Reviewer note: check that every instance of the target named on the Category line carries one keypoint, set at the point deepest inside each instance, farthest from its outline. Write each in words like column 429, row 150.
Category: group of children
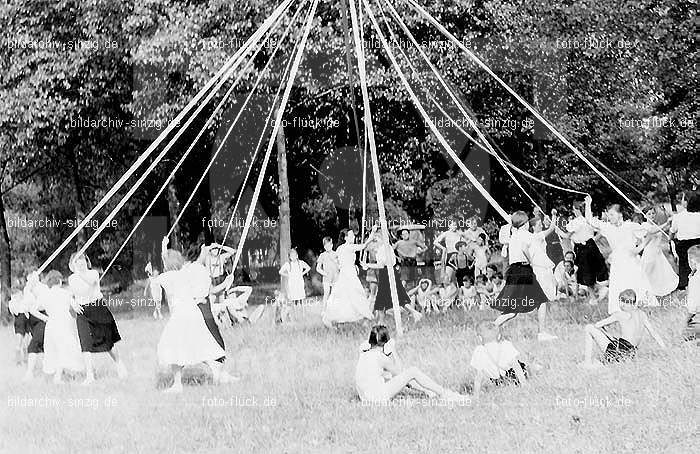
column 531, row 282
column 64, row 323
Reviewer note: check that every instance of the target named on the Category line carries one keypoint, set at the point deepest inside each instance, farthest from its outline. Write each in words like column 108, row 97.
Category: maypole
column 359, row 51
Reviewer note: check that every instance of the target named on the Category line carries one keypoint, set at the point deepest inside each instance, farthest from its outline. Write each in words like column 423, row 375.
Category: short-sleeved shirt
column 494, row 358
column 686, row 225
column 85, row 293
column 520, row 242
column 451, row 239
column 408, row 248
column 581, row 231
column 329, row 262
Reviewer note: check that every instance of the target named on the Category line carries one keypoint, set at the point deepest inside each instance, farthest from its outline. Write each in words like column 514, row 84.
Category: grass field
column 296, row 395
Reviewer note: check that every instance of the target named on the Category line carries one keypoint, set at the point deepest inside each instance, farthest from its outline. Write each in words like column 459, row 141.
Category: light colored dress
column 625, row 264
column 369, row 376
column 186, row 340
column 295, row 280
column 542, row 265
column 61, row 344
column 348, row 301
column 658, row 270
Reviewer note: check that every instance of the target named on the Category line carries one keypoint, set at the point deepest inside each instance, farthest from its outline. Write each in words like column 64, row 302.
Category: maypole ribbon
column 359, row 50
column 160, row 156
column 451, row 94
column 429, row 121
column 532, row 110
column 258, row 146
column 275, row 129
column 175, row 122
column 201, row 132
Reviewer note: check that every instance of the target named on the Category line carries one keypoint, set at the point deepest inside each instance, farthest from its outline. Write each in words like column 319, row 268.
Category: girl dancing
column 522, row 292
column 97, row 329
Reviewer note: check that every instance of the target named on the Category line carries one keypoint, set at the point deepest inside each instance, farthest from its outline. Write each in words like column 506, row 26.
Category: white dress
column 185, row 340
column 625, row 264
column 542, row 265
column 369, row 376
column 61, row 344
column 661, row 276
column 295, row 280
column 348, row 301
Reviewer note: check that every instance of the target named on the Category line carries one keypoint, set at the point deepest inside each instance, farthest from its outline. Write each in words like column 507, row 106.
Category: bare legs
column 177, row 379
column 90, row 370
column 31, row 365
column 542, row 335
column 417, row 379
column 593, row 335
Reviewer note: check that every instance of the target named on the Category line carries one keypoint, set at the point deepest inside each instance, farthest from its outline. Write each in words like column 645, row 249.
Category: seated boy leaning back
column 633, row 322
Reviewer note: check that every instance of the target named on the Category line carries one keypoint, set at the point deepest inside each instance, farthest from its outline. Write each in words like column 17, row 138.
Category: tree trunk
column 79, row 195
column 174, row 210
column 284, row 223
column 5, row 267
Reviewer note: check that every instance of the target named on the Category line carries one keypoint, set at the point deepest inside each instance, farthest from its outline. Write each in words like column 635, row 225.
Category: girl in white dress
column 348, row 301
column 542, row 265
column 659, row 271
column 378, row 358
column 185, row 340
column 295, row 270
column 625, row 264
column 61, row 344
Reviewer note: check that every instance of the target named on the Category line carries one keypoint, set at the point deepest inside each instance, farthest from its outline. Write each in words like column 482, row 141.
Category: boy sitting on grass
column 692, row 325
column 495, row 359
column 632, row 322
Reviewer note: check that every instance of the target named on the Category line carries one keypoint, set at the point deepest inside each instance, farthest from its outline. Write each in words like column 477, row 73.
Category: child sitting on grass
column 424, row 297
column 379, row 357
column 484, row 291
column 632, row 322
column 495, row 359
column 469, row 296
column 692, row 325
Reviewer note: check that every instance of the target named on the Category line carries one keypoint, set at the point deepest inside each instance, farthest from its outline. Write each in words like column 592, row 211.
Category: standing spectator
column 685, row 227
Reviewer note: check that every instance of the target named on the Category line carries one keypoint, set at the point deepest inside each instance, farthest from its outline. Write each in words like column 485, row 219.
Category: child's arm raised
column 652, row 331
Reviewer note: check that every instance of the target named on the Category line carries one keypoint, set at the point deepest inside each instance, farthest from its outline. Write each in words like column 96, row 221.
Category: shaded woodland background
column 630, row 101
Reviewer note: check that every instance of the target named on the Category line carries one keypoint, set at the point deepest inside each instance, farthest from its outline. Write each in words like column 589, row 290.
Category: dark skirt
column 97, row 329
column 521, row 293
column 213, row 328
column 682, row 247
column 462, row 273
column 510, row 377
column 591, row 264
column 22, row 324
column 218, row 280
column 383, row 300
column 36, row 328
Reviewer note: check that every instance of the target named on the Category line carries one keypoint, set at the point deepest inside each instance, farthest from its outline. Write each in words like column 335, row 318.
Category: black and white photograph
column 349, row 226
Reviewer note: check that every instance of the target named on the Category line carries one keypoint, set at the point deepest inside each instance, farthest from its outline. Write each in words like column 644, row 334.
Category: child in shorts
column 633, row 322
column 495, row 359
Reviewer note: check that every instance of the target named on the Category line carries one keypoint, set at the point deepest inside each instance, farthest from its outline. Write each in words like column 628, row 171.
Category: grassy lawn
column 296, row 394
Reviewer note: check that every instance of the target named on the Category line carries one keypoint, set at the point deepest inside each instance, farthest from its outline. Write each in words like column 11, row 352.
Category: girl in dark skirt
column 21, row 325
column 35, row 325
column 383, row 302
column 521, row 292
column 97, row 329
column 591, row 264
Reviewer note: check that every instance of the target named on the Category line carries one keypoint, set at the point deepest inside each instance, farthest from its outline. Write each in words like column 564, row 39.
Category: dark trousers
column 682, row 247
